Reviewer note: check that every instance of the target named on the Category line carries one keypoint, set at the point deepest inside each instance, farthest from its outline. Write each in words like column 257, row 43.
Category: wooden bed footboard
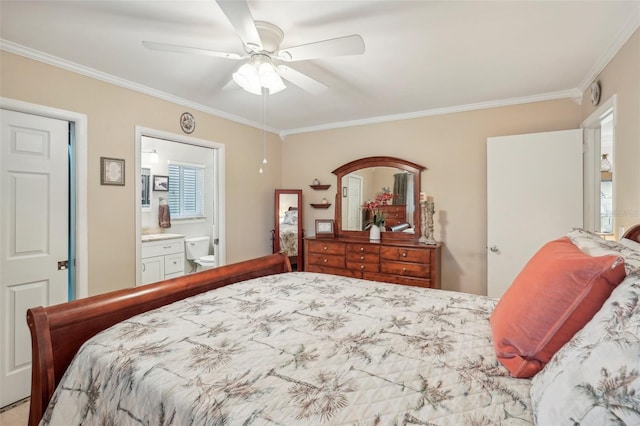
column 58, row 331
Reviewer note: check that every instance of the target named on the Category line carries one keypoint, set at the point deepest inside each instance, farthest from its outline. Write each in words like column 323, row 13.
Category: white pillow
column 594, row 245
column 594, row 379
column 630, row 244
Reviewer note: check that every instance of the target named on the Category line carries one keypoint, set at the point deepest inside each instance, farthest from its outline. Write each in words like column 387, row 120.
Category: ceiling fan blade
column 192, row 50
column 341, row 46
column 301, row 80
column 238, row 13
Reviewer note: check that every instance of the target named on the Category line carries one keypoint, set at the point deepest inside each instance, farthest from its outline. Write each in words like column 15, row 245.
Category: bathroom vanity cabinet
column 162, row 257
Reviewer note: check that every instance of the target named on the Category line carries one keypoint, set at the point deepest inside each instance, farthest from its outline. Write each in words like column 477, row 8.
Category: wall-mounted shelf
column 320, row 187
column 320, row 206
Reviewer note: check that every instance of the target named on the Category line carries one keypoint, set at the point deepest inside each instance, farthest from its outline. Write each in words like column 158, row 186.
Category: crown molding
column 575, row 94
column 632, row 24
column 36, row 55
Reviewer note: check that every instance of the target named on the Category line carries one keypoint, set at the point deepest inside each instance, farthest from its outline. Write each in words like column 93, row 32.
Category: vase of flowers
column 375, row 222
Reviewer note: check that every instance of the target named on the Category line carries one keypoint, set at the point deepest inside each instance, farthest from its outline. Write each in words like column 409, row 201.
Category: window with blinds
column 186, row 190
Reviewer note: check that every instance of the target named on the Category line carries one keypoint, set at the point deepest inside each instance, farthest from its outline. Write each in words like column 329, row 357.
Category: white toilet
column 197, row 251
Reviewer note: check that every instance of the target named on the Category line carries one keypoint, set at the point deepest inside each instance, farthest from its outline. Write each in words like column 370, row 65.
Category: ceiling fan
column 261, row 41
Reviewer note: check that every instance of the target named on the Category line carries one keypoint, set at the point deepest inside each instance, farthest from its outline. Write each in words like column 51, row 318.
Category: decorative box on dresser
column 397, row 262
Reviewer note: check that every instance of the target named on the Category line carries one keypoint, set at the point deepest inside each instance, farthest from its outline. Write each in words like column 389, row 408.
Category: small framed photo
column 324, row 228
column 160, row 183
column 111, row 171
column 344, row 192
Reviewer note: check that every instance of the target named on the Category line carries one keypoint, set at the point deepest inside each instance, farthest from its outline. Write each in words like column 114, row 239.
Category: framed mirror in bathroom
column 145, row 193
column 287, row 234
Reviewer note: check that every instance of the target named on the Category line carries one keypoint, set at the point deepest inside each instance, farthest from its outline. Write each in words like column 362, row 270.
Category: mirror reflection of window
column 145, row 193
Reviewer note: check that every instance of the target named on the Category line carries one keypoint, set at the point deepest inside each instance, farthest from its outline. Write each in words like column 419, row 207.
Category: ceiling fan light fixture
column 269, row 78
column 267, row 74
column 253, row 76
column 247, row 78
column 277, row 86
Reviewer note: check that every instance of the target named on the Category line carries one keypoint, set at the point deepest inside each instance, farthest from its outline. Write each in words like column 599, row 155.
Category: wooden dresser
column 394, row 214
column 406, row 263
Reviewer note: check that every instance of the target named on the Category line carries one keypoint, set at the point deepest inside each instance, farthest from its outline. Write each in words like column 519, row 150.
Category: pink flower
column 382, row 199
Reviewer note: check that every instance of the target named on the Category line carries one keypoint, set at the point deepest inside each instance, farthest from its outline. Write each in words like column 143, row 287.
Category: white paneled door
column 534, row 194
column 354, row 202
column 34, row 233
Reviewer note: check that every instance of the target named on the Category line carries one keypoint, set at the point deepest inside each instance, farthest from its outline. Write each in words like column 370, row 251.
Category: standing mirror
column 287, row 233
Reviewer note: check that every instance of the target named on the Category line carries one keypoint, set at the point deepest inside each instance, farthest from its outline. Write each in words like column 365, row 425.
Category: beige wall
column 113, row 113
column 452, row 147
column 622, row 78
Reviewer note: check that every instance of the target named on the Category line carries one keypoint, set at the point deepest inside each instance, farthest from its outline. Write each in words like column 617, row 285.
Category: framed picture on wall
column 160, row 183
column 111, row 171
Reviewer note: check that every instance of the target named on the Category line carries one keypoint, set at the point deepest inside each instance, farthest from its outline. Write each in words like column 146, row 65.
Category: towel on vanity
column 164, row 217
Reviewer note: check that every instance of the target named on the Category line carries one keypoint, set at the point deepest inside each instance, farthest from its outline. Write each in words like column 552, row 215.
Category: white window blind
column 186, row 190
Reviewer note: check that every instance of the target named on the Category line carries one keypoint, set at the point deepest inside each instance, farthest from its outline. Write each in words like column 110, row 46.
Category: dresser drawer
column 325, row 260
column 326, row 247
column 334, row 271
column 363, row 266
column 363, row 257
column 394, row 209
column 405, row 269
column 394, row 215
column 405, row 254
column 363, row 249
column 395, row 279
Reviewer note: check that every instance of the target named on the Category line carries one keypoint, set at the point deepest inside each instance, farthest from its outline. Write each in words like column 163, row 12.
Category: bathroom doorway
column 187, row 174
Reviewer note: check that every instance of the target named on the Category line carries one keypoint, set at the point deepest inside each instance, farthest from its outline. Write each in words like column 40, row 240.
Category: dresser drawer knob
column 404, row 270
column 325, row 248
column 361, row 266
column 361, row 248
column 404, row 254
column 361, row 257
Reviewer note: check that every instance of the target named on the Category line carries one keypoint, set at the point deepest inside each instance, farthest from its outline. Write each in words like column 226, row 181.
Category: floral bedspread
column 289, row 239
column 297, row 349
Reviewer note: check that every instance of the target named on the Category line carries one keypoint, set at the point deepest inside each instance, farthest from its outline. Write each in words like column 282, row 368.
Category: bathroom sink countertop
column 160, row 237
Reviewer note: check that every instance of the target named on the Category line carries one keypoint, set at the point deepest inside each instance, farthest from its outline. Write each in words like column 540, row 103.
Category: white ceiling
column 422, row 57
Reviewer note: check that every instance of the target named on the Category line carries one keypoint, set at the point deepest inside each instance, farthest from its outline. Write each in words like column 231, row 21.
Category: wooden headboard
column 633, row 233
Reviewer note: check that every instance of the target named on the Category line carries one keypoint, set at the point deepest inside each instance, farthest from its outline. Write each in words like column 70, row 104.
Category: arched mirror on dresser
column 363, row 180
column 287, row 233
column 397, row 257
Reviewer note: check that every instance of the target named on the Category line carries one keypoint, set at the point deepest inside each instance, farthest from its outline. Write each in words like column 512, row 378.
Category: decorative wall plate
column 595, row 93
column 187, row 122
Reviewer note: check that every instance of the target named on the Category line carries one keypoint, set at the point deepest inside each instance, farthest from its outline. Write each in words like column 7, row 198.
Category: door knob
column 494, row 249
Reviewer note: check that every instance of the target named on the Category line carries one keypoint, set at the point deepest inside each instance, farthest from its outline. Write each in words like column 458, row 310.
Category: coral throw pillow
column 555, row 295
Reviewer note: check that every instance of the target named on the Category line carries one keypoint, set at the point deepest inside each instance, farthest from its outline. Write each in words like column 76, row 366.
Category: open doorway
column 599, row 170
column 186, row 175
